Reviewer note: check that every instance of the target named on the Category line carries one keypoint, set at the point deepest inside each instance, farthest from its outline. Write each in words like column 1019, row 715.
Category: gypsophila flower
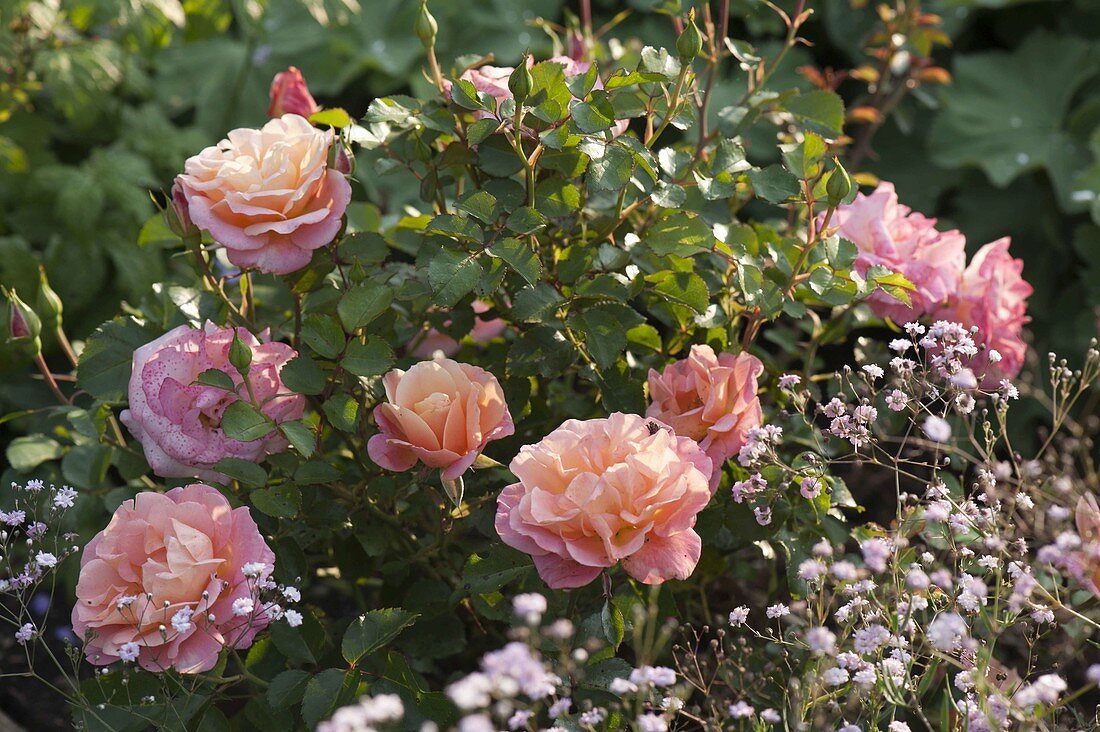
column 876, row 553
column 243, row 606
column 763, row 515
column 651, row 723
column 560, row 708
column 836, row 676
column 810, row 487
column 900, row 345
column 622, row 686
column 292, row 594
column 898, row 727
column 253, row 569
column 45, row 560
column 64, row 498
column 1093, row 674
column 125, row 601
column 771, row 716
column 1041, row 614
column 936, row 428
column 529, row 606
column 777, row 610
column 520, row 719
column 181, row 620
column 657, row 676
column 592, row 717
column 13, row 518
column 293, row 618
column 476, row 723
column 128, row 652
column 35, row 484
column 874, row 371
column 25, row 633
column 821, row 640
column 741, row 710
column 738, row 616
column 786, row 381
column 947, row 631
column 896, row 400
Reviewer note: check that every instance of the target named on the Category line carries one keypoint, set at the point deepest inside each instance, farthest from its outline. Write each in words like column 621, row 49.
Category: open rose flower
column 143, row 580
column 178, row 421
column 598, row 492
column 268, row 195
column 709, row 398
column 993, row 296
column 891, row 235
column 493, row 80
column 441, row 413
column 290, row 95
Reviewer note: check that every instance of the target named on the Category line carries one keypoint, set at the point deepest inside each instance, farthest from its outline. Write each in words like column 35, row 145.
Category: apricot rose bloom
column 268, row 195
column 709, row 398
column 143, row 579
column 178, row 421
column 441, row 413
column 597, row 492
column 290, row 95
column 993, row 297
column 893, row 236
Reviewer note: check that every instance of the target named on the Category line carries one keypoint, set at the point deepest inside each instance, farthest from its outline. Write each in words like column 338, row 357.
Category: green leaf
column 679, row 233
column 525, row 220
column 246, row 472
column 301, row 436
column 536, row 304
column 549, row 98
column 342, row 411
column 281, row 501
column 242, row 421
column 334, row 117
column 362, row 304
column 556, row 198
column 541, row 350
column 773, row 183
column 373, row 358
column 604, row 327
column 611, row 171
column 614, row 625
column 803, row 158
column 322, row 694
column 105, row 362
column 686, row 288
column 85, row 466
column 481, row 129
column 464, row 94
column 302, row 375
column 594, row 116
column 323, row 334
column 1006, row 112
column 480, row 204
column 520, row 257
column 819, row 111
column 489, row 573
column 287, row 688
column 216, row 378
column 373, row 631
column 452, row 275
column 24, row 454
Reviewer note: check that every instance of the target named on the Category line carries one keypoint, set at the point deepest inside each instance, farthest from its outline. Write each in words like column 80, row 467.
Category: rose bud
column 290, row 95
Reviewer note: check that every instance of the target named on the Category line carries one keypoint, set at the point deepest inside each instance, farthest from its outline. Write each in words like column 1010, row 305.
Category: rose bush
column 507, row 392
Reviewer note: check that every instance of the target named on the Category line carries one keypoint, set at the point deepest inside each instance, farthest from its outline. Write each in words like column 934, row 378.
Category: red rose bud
column 177, row 215
column 23, row 325
column 290, row 95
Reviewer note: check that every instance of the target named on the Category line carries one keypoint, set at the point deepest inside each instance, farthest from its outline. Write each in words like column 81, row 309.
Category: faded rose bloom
column 709, row 398
column 174, row 547
column 1084, row 564
column 178, row 421
column 601, row 491
column 290, row 95
column 441, row 413
column 890, row 234
column 993, row 296
column 268, row 194
column 493, row 80
column 483, row 332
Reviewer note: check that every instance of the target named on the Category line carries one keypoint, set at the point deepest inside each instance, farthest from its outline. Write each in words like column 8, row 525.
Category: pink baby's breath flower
column 810, row 487
column 738, row 616
column 777, row 610
column 787, row 381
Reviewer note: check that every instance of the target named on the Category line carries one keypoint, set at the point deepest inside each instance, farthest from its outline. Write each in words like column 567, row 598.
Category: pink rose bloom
column 1084, row 564
column 893, row 236
column 268, row 194
column 993, row 296
column 178, row 421
column 711, row 399
column 290, row 95
column 173, row 546
column 601, row 491
column 493, row 80
column 441, row 413
column 483, row 332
